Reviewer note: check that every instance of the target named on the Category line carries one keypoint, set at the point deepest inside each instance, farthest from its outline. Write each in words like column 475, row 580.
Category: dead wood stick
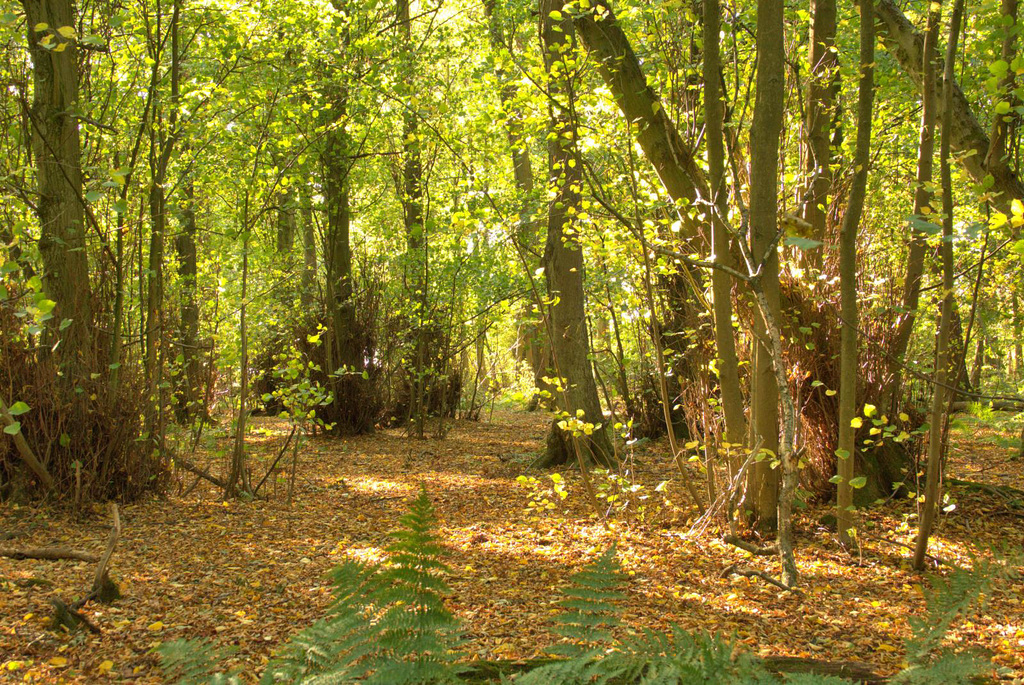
column 274, row 465
column 115, row 534
column 757, row 550
column 205, row 475
column 735, row 570
column 49, row 554
column 24, row 450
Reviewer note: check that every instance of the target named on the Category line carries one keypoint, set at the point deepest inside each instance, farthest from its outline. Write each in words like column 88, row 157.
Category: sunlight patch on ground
column 369, row 485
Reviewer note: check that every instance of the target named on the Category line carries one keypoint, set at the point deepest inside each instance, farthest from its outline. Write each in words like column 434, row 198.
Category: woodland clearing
column 250, row 574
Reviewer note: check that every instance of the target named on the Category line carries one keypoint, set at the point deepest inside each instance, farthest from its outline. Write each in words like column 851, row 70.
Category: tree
column 848, row 357
column 563, row 254
column 763, row 495
column 61, row 207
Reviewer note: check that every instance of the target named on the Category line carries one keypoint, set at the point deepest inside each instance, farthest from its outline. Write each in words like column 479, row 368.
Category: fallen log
column 998, row 405
column 49, row 554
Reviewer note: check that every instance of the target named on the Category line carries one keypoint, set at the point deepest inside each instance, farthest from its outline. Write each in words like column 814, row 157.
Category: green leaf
column 858, row 482
column 94, row 196
column 802, row 243
column 18, row 408
column 13, row 429
column 65, row 439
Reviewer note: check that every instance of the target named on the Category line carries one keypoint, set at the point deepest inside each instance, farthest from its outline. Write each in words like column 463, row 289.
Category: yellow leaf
column 857, row 422
column 105, row 666
column 1017, row 207
column 58, row 661
column 904, row 416
column 886, row 648
column 41, row 26
column 14, row 665
column 159, row 625
column 67, row 31
column 830, row 393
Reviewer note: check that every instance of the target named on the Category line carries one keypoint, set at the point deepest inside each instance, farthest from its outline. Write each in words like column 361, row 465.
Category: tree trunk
column 415, row 228
column 765, row 134
column 306, row 297
column 846, row 451
column 940, row 397
column 657, row 134
column 61, row 204
column 923, row 213
column 188, row 332
column 563, row 255
column 721, row 282
column 238, row 474
column 823, row 68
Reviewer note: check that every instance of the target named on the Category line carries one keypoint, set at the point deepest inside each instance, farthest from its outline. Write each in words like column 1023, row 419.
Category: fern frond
column 195, row 662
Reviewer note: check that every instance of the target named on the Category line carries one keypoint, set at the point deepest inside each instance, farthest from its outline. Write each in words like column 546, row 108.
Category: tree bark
column 940, row 396
column 188, row 332
column 923, row 211
column 765, row 134
column 721, row 282
column 823, row 68
column 61, row 205
column 306, row 297
column 563, row 255
column 415, row 228
column 846, row 451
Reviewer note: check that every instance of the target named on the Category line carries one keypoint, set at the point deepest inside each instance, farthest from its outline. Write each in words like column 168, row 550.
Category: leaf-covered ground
column 250, row 574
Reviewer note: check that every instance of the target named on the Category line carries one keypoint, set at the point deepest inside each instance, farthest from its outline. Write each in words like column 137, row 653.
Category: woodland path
column 251, row 574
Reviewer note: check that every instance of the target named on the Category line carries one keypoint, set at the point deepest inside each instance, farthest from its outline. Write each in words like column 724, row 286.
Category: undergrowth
column 388, row 625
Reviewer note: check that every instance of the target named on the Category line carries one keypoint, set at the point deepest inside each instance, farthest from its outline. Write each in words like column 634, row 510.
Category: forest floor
column 250, row 574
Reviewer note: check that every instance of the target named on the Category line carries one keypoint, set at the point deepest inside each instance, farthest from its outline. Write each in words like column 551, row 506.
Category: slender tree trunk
column 238, row 475
column 933, row 481
column 765, row 134
column 923, row 212
column 721, row 282
column 979, row 362
column 819, row 115
column 563, row 255
column 188, row 332
column 415, row 228
column 848, row 277
column 522, row 170
column 61, row 205
column 308, row 255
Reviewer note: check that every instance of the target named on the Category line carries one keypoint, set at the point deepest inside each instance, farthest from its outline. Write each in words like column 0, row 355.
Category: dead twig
column 736, row 570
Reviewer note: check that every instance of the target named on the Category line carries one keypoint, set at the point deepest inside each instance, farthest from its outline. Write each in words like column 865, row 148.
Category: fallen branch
column 193, row 469
column 49, row 554
column 1013, row 497
column 757, row 550
column 735, row 570
column 274, row 465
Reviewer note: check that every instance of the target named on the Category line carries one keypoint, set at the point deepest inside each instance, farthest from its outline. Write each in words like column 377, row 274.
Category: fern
column 418, row 634
column 948, row 599
column 195, row 662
